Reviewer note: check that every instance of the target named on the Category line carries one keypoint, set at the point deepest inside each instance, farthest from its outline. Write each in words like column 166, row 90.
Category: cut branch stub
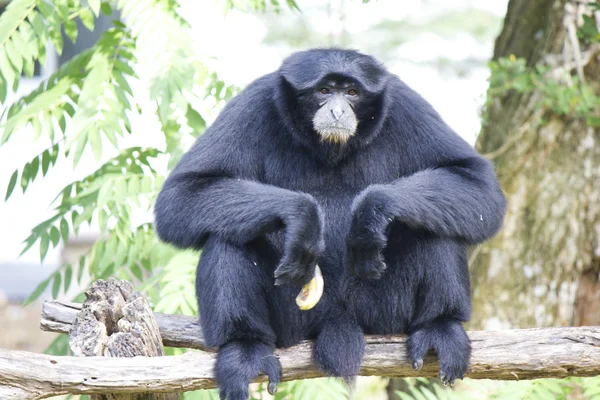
column 116, row 321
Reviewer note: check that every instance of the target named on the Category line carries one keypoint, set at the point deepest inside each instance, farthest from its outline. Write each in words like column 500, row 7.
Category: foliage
column 86, row 105
column 540, row 389
column 312, row 389
column 589, row 30
column 260, row 5
column 560, row 91
column 565, row 95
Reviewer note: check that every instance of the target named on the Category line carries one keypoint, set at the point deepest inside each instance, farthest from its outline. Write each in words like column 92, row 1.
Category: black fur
column 267, row 200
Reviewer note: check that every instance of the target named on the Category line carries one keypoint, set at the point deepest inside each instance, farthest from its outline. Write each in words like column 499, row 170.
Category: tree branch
column 507, row 355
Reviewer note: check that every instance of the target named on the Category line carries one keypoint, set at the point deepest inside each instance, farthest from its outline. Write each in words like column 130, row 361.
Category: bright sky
column 235, row 40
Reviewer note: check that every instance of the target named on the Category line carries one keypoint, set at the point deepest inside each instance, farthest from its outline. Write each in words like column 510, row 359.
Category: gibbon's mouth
column 335, row 134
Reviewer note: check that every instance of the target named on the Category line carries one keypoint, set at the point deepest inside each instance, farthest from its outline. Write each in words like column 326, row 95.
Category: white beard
column 335, row 135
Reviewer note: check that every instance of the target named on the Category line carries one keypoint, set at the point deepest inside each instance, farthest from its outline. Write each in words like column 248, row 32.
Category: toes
column 238, row 364
column 272, row 388
column 271, row 367
column 449, row 377
column 418, row 364
column 443, row 378
column 453, row 366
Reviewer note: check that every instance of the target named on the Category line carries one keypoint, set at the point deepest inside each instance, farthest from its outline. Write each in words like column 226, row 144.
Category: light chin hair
column 334, row 135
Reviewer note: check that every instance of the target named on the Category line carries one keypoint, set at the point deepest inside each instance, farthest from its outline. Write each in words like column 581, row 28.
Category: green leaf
column 54, row 154
column 64, row 229
column 38, row 23
column 95, row 142
column 62, row 10
column 428, row 394
column 41, row 287
column 81, row 142
column 7, row 69
column 122, row 82
column 15, row 13
column 124, row 67
column 11, row 184
column 44, row 243
column 106, row 9
column 14, row 55
column 68, row 277
column 68, row 107
column 87, row 18
column 54, row 236
column 42, row 53
column 137, row 272
column 102, row 220
column 91, row 93
column 60, row 117
column 21, row 41
column 37, row 105
column 37, row 128
column 34, row 166
column 56, row 285
column 195, row 120
column 74, row 219
column 110, row 135
column 57, row 40
column 70, row 28
column 3, row 88
column 28, row 67
column 30, row 241
column 25, row 177
column 95, row 6
column 49, row 124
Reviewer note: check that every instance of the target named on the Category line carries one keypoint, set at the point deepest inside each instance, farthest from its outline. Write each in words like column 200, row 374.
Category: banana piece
column 311, row 293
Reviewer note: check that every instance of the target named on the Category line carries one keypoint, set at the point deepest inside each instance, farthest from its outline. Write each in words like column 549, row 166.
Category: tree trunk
column 542, row 269
column 116, row 321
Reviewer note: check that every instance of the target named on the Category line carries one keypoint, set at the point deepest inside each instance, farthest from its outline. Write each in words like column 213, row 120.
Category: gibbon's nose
column 337, row 112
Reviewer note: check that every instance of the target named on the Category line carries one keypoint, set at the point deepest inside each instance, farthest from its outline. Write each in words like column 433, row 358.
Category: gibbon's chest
column 303, row 173
column 333, row 187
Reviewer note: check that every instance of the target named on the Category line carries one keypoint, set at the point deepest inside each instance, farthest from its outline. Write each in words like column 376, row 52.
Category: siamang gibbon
column 330, row 161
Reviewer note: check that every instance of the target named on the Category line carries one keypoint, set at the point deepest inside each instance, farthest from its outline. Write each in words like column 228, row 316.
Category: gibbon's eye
column 352, row 92
column 324, row 91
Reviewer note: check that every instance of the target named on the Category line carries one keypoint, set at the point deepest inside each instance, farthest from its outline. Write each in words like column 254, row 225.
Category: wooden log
column 507, row 355
column 175, row 330
column 116, row 321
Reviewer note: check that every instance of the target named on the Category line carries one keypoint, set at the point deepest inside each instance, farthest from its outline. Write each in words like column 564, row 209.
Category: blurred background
column 95, row 112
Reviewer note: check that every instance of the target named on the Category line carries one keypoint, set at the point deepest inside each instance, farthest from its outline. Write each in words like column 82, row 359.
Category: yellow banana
column 311, row 293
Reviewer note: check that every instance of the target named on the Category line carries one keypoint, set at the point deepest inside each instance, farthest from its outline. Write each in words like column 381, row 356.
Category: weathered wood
column 507, row 355
column 116, row 321
column 176, row 330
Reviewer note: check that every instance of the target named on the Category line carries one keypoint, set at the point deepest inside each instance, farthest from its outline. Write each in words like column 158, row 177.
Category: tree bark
column 542, row 268
column 116, row 321
column 506, row 355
